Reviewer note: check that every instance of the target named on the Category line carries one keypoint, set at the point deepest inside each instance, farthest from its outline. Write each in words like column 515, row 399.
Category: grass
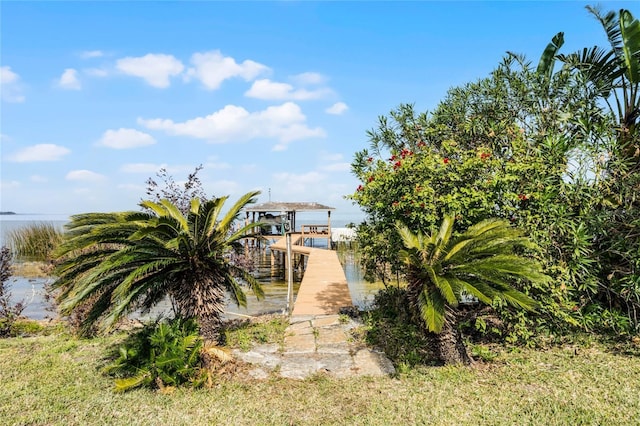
column 244, row 334
column 55, row 379
column 35, row 241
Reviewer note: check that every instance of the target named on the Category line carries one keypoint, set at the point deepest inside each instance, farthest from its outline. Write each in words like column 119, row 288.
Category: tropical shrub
column 161, row 355
column 124, row 261
column 483, row 262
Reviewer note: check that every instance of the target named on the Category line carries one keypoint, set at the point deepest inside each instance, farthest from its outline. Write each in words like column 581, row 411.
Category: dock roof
column 288, row 207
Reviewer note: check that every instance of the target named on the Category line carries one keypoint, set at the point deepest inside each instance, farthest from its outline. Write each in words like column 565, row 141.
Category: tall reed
column 35, row 241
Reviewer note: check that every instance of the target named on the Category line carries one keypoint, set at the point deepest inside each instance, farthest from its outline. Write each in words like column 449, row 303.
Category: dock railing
column 309, row 231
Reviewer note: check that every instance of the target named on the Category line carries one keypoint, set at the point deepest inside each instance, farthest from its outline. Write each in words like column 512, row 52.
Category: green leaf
column 547, row 60
column 630, row 32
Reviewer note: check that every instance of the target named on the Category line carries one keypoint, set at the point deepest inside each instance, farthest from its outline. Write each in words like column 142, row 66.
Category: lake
column 32, row 290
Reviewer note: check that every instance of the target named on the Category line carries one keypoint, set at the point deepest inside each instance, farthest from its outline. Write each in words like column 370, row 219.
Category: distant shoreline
column 7, row 213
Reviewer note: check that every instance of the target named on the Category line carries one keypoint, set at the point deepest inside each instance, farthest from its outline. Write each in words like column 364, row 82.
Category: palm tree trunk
column 210, row 326
column 450, row 346
column 203, row 300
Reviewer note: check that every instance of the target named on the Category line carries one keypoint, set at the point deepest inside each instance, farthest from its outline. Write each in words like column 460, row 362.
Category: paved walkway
column 316, row 344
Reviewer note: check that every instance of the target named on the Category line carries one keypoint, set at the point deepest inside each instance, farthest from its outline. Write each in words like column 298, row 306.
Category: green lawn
column 55, row 379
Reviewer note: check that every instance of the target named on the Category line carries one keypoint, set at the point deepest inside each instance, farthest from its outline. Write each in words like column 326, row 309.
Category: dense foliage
column 538, row 147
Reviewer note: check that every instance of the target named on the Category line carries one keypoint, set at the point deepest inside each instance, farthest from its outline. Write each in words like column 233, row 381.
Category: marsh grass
column 34, row 242
column 55, row 380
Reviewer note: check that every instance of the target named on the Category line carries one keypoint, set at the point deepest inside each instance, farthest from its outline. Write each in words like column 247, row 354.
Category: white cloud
column 336, row 167
column 7, row 76
column 69, row 80
column 141, row 168
column 96, row 72
column 285, row 123
column 40, row 152
column 87, row 54
column 270, row 90
column 85, row 176
column 337, row 109
column 126, row 139
column 10, row 86
column 155, row 69
column 9, row 184
column 299, row 184
column 38, row 179
column 212, row 68
column 309, row 78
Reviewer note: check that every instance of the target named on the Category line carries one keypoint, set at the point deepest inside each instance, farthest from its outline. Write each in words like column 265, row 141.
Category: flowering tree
column 503, row 147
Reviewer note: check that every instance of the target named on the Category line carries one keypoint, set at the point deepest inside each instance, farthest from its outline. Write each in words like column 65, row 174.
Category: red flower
column 484, row 155
column 523, row 197
column 421, row 144
column 393, row 158
column 405, row 152
column 445, row 160
column 360, row 188
column 370, row 179
column 397, row 164
column 395, row 204
column 370, row 159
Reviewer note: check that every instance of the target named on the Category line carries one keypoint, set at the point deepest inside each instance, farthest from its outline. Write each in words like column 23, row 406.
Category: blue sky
column 97, row 96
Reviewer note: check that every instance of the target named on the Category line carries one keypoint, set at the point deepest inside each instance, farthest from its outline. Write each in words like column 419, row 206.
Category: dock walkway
column 324, row 289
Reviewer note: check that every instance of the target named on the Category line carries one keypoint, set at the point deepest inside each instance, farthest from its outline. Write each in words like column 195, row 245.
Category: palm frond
column 234, row 211
column 481, row 261
column 432, row 309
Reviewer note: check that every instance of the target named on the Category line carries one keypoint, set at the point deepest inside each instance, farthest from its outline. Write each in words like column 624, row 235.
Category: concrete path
column 317, row 344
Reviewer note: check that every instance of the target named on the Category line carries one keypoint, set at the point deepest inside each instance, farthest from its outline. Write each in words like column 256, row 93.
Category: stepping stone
column 329, row 336
column 370, row 363
column 300, row 343
column 325, row 321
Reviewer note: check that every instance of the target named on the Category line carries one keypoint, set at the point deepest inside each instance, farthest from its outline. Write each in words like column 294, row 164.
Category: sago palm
column 481, row 262
column 124, row 261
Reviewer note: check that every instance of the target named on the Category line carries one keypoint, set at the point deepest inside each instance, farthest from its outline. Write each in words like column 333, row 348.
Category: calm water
column 31, row 291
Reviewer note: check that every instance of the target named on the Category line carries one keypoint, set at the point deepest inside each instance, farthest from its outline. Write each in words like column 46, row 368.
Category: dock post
column 289, row 269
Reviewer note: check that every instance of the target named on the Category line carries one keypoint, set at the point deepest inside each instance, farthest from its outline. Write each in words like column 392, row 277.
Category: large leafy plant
column 482, row 262
column 162, row 355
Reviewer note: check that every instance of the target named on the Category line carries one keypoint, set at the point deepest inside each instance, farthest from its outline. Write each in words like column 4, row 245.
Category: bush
column 9, row 312
column 161, row 356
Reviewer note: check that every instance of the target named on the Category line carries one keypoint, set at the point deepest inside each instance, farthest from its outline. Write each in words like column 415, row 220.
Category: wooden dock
column 324, row 289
